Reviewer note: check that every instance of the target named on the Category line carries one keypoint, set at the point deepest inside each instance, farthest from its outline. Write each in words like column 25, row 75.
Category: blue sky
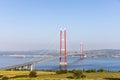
column 35, row 24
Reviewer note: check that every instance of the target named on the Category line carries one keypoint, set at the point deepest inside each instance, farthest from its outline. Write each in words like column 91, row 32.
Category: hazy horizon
column 35, row 24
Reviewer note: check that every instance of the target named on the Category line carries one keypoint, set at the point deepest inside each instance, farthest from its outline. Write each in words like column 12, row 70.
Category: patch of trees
column 77, row 74
column 33, row 74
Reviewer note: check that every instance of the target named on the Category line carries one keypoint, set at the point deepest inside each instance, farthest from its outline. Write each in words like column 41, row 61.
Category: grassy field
column 43, row 75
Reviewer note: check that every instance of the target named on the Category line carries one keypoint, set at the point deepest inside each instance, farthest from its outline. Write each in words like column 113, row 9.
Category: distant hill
column 89, row 53
column 103, row 53
column 32, row 52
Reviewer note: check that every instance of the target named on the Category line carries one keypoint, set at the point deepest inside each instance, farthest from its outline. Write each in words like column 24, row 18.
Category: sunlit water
column 111, row 64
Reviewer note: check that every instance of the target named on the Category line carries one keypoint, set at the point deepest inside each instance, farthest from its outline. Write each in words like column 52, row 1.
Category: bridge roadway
column 27, row 65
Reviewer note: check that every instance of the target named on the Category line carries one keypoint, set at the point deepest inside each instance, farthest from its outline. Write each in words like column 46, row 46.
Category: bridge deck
column 27, row 63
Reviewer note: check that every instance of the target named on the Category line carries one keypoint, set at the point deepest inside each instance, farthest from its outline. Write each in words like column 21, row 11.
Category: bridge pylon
column 82, row 54
column 63, row 58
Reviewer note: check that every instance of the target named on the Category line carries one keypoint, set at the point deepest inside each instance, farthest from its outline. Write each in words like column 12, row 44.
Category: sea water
column 110, row 64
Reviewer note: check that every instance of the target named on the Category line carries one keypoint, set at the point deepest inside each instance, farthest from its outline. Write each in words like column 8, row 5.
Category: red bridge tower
column 63, row 58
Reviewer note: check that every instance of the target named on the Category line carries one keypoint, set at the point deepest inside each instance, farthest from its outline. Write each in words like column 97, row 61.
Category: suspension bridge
column 62, row 57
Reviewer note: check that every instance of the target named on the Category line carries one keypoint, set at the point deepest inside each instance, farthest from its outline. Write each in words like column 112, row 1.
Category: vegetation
column 33, row 74
column 90, row 70
column 61, row 71
column 78, row 74
column 46, row 75
column 5, row 78
column 101, row 70
column 1, row 75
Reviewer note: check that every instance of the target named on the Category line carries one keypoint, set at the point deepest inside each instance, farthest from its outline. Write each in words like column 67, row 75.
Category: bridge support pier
column 26, row 67
column 31, row 67
column 20, row 68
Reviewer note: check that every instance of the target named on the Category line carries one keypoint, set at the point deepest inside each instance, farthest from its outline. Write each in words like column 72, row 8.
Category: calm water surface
column 112, row 64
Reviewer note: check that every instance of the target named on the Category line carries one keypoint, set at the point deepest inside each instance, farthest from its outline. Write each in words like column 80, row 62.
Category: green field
column 45, row 75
